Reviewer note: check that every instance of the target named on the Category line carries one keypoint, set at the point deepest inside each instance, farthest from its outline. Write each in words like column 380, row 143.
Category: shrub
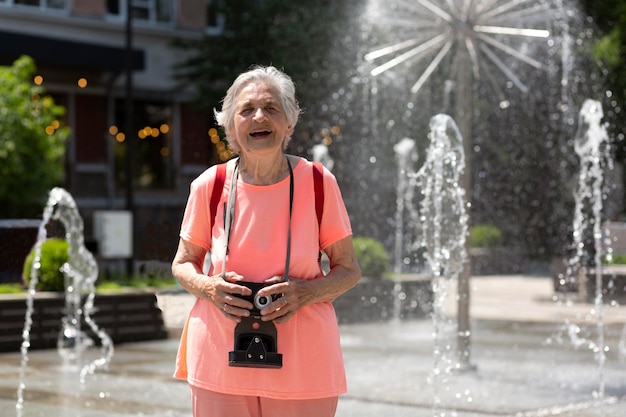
column 139, row 282
column 11, row 289
column 616, row 259
column 53, row 256
column 485, row 236
column 372, row 256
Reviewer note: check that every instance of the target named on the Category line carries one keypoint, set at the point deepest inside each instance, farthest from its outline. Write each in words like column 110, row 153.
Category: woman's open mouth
column 260, row 133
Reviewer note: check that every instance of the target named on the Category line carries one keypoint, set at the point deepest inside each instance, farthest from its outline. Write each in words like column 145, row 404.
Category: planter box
column 613, row 282
column 613, row 285
column 383, row 299
column 126, row 317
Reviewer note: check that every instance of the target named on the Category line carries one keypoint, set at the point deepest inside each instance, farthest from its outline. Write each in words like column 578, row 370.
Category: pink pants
column 213, row 404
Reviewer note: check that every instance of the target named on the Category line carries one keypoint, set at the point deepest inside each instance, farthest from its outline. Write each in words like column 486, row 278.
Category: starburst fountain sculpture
column 469, row 26
column 472, row 40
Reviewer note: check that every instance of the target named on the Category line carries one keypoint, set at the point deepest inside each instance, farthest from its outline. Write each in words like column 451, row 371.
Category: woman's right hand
column 224, row 292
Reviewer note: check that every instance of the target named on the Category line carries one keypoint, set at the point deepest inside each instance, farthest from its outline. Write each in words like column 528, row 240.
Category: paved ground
column 532, row 356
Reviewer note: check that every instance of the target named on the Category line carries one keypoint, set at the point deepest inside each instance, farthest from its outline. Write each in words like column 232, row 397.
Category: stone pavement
column 531, row 356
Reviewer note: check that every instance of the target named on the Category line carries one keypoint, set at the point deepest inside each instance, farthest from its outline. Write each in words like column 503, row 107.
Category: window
column 214, row 16
column 153, row 142
column 113, row 7
column 44, row 4
column 154, row 11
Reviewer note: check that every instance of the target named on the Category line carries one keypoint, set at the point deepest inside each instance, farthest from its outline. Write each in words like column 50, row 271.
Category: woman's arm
column 187, row 268
column 344, row 274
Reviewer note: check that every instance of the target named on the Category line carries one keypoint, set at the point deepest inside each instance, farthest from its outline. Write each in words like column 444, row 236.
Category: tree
column 309, row 39
column 32, row 141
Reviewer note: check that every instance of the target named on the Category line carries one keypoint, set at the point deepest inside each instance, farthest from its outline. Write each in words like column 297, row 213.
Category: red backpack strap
column 216, row 194
column 318, row 188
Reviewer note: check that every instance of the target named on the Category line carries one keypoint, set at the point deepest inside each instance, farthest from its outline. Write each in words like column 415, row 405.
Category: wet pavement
column 531, row 356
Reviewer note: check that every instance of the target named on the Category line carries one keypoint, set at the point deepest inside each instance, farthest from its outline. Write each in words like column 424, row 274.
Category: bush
column 138, row 282
column 485, row 236
column 11, row 289
column 372, row 256
column 616, row 259
column 53, row 256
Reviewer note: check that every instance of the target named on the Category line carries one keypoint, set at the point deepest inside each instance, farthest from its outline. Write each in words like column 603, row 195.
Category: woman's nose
column 259, row 114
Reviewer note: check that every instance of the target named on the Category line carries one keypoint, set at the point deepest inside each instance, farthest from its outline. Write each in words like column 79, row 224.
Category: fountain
column 591, row 144
column 444, row 228
column 466, row 47
column 443, row 216
column 321, row 154
column 459, row 45
column 406, row 157
column 80, row 272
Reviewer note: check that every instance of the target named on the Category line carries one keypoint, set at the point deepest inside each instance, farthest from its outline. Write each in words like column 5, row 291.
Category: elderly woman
column 268, row 230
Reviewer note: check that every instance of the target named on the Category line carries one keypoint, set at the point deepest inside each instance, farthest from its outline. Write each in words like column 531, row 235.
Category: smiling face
column 260, row 123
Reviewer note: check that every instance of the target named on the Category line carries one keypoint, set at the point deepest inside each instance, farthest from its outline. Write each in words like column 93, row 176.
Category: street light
column 130, row 142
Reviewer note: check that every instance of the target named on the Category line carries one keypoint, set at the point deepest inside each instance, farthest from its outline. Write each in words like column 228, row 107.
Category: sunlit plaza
column 525, row 362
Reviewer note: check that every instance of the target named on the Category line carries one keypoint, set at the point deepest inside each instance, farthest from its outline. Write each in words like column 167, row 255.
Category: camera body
column 256, row 341
column 259, row 302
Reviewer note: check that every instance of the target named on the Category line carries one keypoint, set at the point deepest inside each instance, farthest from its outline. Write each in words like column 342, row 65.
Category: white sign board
column 114, row 232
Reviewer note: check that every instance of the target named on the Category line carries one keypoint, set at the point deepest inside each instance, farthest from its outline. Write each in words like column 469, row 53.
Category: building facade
column 82, row 50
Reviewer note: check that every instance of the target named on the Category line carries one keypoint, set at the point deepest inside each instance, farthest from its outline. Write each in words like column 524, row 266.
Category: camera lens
column 261, row 302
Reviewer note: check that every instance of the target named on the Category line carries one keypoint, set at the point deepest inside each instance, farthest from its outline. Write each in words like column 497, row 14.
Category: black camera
column 256, row 341
column 259, row 302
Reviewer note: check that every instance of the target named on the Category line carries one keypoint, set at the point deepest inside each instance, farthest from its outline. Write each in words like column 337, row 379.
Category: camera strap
column 230, row 214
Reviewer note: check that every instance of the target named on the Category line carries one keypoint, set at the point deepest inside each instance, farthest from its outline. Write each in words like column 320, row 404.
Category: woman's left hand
column 296, row 293
column 290, row 301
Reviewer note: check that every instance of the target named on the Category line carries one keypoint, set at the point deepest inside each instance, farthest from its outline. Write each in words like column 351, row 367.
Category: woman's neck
column 263, row 171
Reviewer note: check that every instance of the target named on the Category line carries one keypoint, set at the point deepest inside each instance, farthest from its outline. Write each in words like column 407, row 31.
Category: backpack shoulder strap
column 216, row 194
column 318, row 188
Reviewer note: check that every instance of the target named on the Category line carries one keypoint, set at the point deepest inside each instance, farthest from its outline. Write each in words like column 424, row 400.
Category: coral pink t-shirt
column 309, row 342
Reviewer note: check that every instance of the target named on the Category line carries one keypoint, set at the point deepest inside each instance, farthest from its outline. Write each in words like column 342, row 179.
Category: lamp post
column 463, row 118
column 129, row 128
